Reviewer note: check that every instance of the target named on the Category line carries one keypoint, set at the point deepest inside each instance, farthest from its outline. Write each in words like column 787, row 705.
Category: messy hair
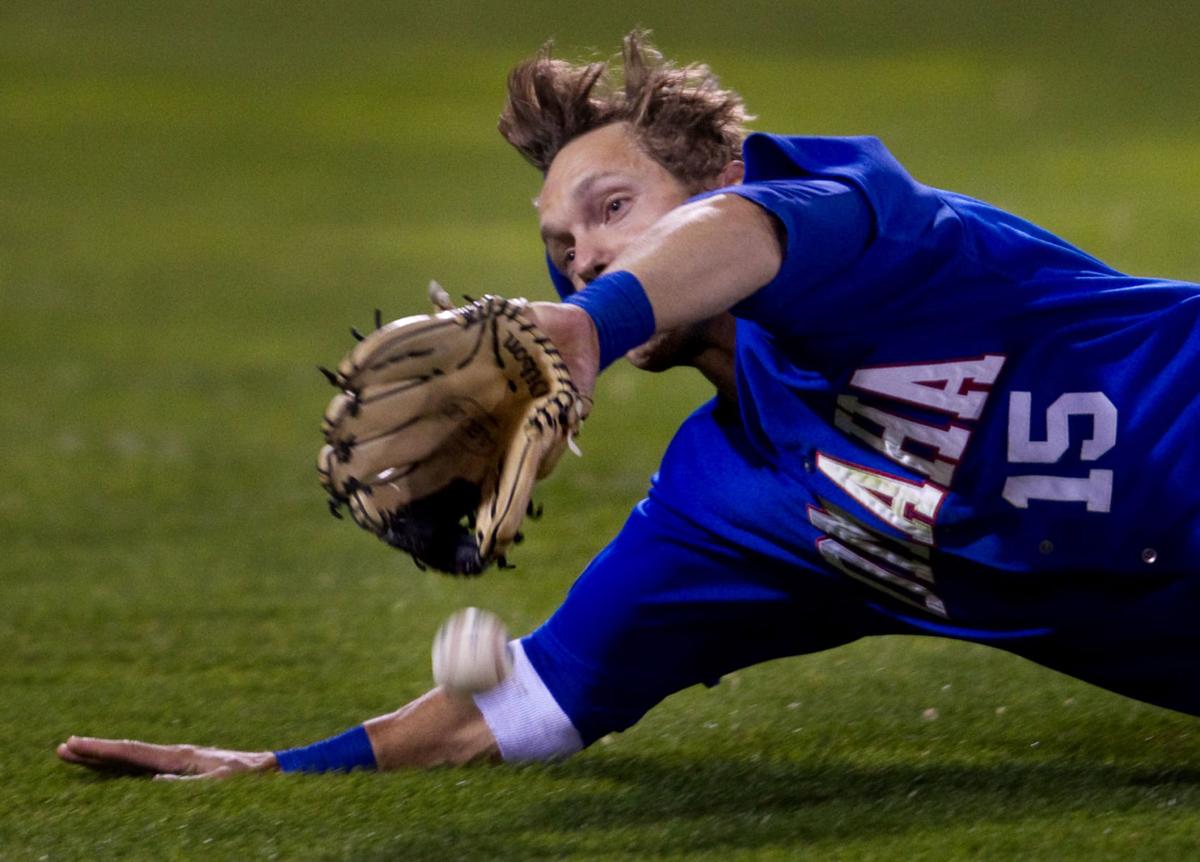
column 681, row 117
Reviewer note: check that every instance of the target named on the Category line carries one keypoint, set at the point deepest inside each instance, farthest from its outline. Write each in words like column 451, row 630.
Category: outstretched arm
column 434, row 730
column 695, row 263
column 703, row 258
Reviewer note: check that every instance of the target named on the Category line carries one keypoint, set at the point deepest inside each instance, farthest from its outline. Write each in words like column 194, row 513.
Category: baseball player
column 932, row 417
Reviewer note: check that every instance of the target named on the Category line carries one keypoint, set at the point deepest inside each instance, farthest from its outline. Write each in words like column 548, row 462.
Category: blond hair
column 681, row 117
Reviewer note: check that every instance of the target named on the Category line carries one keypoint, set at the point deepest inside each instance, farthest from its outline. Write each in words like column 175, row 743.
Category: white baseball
column 470, row 652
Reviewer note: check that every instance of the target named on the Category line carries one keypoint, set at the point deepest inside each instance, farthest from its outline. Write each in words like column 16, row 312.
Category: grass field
column 196, row 200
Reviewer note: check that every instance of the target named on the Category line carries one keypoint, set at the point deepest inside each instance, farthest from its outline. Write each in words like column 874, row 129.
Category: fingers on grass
column 66, row 754
column 108, row 767
column 128, row 755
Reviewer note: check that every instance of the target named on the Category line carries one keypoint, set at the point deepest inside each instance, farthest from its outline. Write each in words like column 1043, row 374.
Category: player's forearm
column 436, row 729
column 691, row 266
column 703, row 258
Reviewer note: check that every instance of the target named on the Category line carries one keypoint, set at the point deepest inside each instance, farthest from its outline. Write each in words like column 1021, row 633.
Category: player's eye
column 568, row 258
column 615, row 207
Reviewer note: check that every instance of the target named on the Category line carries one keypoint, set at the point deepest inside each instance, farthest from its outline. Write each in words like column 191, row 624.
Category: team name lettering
column 908, row 506
column 913, row 439
column 908, row 557
column 864, row 569
column 944, row 445
column 959, row 387
column 900, row 569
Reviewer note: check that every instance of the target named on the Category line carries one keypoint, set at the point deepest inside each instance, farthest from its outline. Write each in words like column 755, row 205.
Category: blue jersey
column 960, row 409
column 949, row 422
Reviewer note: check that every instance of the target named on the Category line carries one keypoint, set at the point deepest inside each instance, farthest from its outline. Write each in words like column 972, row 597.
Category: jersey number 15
column 1095, row 489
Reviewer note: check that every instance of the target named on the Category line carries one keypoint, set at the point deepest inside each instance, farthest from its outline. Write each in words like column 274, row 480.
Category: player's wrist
column 573, row 334
column 618, row 306
column 341, row 753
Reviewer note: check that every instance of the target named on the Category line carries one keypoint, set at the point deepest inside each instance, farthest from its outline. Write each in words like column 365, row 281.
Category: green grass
column 197, row 199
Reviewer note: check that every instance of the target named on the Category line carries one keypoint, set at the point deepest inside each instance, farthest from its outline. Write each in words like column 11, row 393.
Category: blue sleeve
column 562, row 284
column 826, row 227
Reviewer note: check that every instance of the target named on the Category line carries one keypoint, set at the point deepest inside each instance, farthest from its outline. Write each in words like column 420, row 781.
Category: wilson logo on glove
column 530, row 373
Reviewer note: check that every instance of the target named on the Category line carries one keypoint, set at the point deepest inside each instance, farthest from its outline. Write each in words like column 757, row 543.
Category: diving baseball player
column 932, row 417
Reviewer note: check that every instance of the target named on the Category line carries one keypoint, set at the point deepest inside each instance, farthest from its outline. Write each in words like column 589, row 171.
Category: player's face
column 602, row 193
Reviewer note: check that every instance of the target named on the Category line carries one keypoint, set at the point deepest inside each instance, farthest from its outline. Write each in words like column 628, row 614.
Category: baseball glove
column 443, row 424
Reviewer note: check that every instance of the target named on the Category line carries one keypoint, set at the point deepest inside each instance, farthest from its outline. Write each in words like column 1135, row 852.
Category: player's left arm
column 696, row 262
column 756, row 249
column 704, row 257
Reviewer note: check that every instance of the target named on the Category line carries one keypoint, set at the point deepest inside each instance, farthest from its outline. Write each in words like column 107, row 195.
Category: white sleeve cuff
column 524, row 717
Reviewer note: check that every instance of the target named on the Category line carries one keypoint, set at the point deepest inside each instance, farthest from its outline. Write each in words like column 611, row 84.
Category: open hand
column 162, row 762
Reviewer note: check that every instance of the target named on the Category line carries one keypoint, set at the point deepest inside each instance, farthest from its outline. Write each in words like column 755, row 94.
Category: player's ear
column 731, row 174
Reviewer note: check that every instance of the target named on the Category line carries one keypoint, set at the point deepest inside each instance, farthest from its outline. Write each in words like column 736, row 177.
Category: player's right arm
column 437, row 729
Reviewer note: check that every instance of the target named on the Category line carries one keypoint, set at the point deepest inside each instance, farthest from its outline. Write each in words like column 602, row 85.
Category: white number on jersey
column 1095, row 490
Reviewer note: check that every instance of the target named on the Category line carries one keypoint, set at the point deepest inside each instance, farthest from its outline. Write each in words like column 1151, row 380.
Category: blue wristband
column 341, row 753
column 624, row 318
